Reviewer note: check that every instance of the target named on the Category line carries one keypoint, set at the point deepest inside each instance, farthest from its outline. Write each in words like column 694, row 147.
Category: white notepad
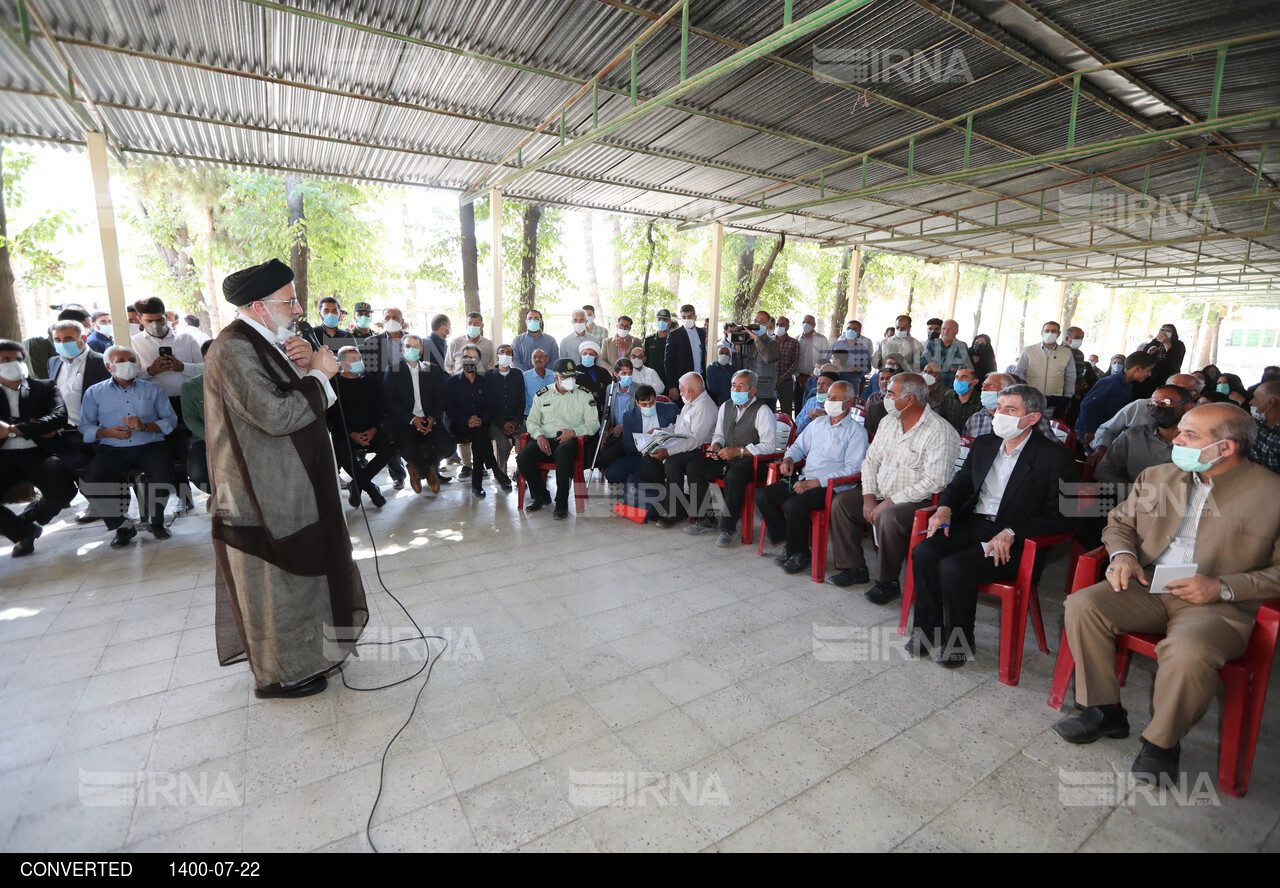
column 1167, row 573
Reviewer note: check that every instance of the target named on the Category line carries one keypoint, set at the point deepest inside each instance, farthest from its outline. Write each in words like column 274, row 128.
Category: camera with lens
column 739, row 335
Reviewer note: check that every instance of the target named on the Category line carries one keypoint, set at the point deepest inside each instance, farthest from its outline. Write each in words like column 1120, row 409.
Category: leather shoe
column 504, row 481
column 1092, row 724
column 478, row 491
column 883, row 592
column 783, row 557
column 850, row 576
column 918, row 646
column 433, row 479
column 561, row 512
column 397, row 484
column 376, row 497
column 415, row 481
column 306, row 689
column 952, row 660
column 464, row 473
column 27, row 544
column 538, row 502
column 159, row 531
column 798, row 563
column 1157, row 765
column 124, row 535
column 669, row 522
column 353, row 495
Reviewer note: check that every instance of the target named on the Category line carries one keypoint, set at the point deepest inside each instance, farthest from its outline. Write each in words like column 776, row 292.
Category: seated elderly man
column 641, row 373
column 1140, row 447
column 831, row 447
column 963, row 399
column 128, row 418
column 469, row 409
column 30, row 411
column 1136, row 413
column 1212, row 509
column 912, row 458
column 560, row 414
column 643, row 417
column 980, row 423
column 1007, row 490
column 1264, row 405
column 663, row 471
column 814, row 407
column 355, row 423
column 746, row 428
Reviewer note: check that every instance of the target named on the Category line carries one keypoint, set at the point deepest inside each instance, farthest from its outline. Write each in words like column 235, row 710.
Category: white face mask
column 1258, row 414
column 568, row 384
column 808, row 328
column 125, row 370
column 638, row 363
column 11, row 371
column 504, row 360
column 579, row 328
column 781, row 331
column 392, row 326
column 688, row 322
column 929, row 380
column 891, row 406
column 1006, row 426
column 1049, row 338
column 833, row 408
column 902, row 334
column 722, row 359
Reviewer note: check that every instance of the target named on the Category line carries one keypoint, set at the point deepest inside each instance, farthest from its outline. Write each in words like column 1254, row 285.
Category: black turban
column 257, row 282
column 827, row 374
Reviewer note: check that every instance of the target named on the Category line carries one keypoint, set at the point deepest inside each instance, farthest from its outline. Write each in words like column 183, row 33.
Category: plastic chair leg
column 1062, row 671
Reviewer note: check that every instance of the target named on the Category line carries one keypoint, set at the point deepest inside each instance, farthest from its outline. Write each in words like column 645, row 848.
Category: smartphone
column 166, row 351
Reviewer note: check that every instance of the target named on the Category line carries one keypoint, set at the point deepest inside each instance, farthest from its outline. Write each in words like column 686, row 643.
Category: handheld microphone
column 307, row 332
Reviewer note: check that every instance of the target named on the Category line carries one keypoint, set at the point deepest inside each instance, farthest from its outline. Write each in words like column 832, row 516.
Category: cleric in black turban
column 256, row 282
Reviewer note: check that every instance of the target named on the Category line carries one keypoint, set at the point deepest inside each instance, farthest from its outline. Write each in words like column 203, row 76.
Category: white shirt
column 71, row 383
column 646, row 375
column 417, row 389
column 648, row 423
column 766, row 428
column 17, row 442
column 695, row 346
column 329, row 396
column 185, row 348
column 696, row 420
column 201, row 337
column 997, row 479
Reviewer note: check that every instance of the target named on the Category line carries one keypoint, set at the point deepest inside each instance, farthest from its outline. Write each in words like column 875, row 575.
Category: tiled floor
column 592, row 660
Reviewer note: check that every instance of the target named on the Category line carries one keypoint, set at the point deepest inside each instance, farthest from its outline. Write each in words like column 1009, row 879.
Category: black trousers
column 46, row 473
column 109, row 495
column 736, row 474
column 669, row 473
column 198, row 465
column 786, row 514
column 948, row 572
column 562, row 454
column 362, row 473
column 423, row 452
column 482, row 457
column 395, row 465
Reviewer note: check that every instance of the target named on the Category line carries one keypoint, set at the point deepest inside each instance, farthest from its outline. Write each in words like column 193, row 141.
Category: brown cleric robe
column 289, row 594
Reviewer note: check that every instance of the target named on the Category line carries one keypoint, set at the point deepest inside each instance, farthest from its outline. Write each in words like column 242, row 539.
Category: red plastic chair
column 546, row 468
column 1065, row 434
column 819, row 521
column 663, row 399
column 1086, row 491
column 1245, row 679
column 1016, row 598
column 749, row 504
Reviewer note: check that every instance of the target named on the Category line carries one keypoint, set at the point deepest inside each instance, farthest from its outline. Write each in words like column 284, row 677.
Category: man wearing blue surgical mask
column 963, row 399
column 414, row 392
column 330, row 329
column 620, row 457
column 980, row 423
column 360, row 404
column 1214, row 511
column 533, row 338
column 853, row 351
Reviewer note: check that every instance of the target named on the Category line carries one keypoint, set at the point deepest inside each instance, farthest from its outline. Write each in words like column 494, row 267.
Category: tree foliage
column 32, row 244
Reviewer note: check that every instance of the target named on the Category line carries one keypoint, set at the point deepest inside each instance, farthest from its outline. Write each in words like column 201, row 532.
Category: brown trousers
column 893, row 531
column 1199, row 640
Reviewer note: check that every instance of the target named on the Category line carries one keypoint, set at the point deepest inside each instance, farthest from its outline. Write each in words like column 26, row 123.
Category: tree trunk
column 470, row 258
column 9, row 326
column 842, row 290
column 648, row 269
column 1070, row 304
column 1209, row 350
column 589, row 248
column 299, row 253
column 617, row 258
column 677, row 262
column 763, row 277
column 215, row 316
column 1022, row 322
column 746, row 265
column 911, row 295
column 529, row 258
column 977, row 314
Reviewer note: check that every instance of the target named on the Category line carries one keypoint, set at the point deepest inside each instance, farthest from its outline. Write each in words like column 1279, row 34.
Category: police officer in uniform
column 560, row 413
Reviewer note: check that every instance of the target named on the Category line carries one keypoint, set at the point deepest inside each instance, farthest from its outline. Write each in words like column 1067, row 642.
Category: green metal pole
column 684, row 42
column 1217, row 81
column 1257, row 179
column 968, row 139
column 786, row 12
column 634, row 86
column 911, row 159
column 1146, row 180
column 1195, row 195
column 1075, row 107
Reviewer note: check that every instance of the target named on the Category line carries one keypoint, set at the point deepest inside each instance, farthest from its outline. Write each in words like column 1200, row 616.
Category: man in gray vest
column 746, row 428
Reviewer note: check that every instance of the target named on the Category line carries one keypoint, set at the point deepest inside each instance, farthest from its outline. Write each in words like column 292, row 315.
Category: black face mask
column 935, row 334
column 1165, row 417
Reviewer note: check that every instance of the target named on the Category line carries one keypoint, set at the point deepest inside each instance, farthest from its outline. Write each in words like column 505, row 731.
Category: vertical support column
column 97, row 144
column 717, row 251
column 1062, row 300
column 855, row 279
column 995, row 337
column 1106, row 331
column 955, row 290
column 495, row 253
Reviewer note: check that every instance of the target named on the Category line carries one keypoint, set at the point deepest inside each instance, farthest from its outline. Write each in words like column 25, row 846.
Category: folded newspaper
column 647, row 443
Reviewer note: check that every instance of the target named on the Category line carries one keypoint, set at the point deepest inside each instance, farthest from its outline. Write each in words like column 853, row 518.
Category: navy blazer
column 678, row 357
column 1031, row 502
column 95, row 369
column 633, row 423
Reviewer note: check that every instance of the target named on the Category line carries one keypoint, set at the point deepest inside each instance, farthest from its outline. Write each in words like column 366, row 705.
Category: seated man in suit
column 1007, row 490
column 663, row 470
column 746, row 428
column 643, row 417
column 831, row 447
column 74, row 370
column 414, row 393
column 469, row 408
column 1214, row 508
column 128, row 419
column 561, row 413
column 29, row 410
column 355, row 423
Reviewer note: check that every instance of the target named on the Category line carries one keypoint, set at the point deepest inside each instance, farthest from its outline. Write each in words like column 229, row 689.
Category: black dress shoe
column 306, row 689
column 86, row 518
column 464, row 473
column 850, row 576
column 397, row 484
column 561, row 512
column 376, row 497
column 1092, row 724
column 504, row 481
column 798, row 563
column 918, row 646
column 159, row 531
column 950, row 660
column 1157, row 765
column 669, row 522
column 538, row 503
column 27, row 544
column 883, row 592
column 124, row 535
column 353, row 495
column 478, row 491
column 783, row 557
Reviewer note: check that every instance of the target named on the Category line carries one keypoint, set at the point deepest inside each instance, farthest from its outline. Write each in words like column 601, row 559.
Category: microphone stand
column 608, row 416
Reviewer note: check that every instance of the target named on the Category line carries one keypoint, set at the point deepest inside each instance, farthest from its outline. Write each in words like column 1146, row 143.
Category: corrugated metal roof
column 436, row 94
